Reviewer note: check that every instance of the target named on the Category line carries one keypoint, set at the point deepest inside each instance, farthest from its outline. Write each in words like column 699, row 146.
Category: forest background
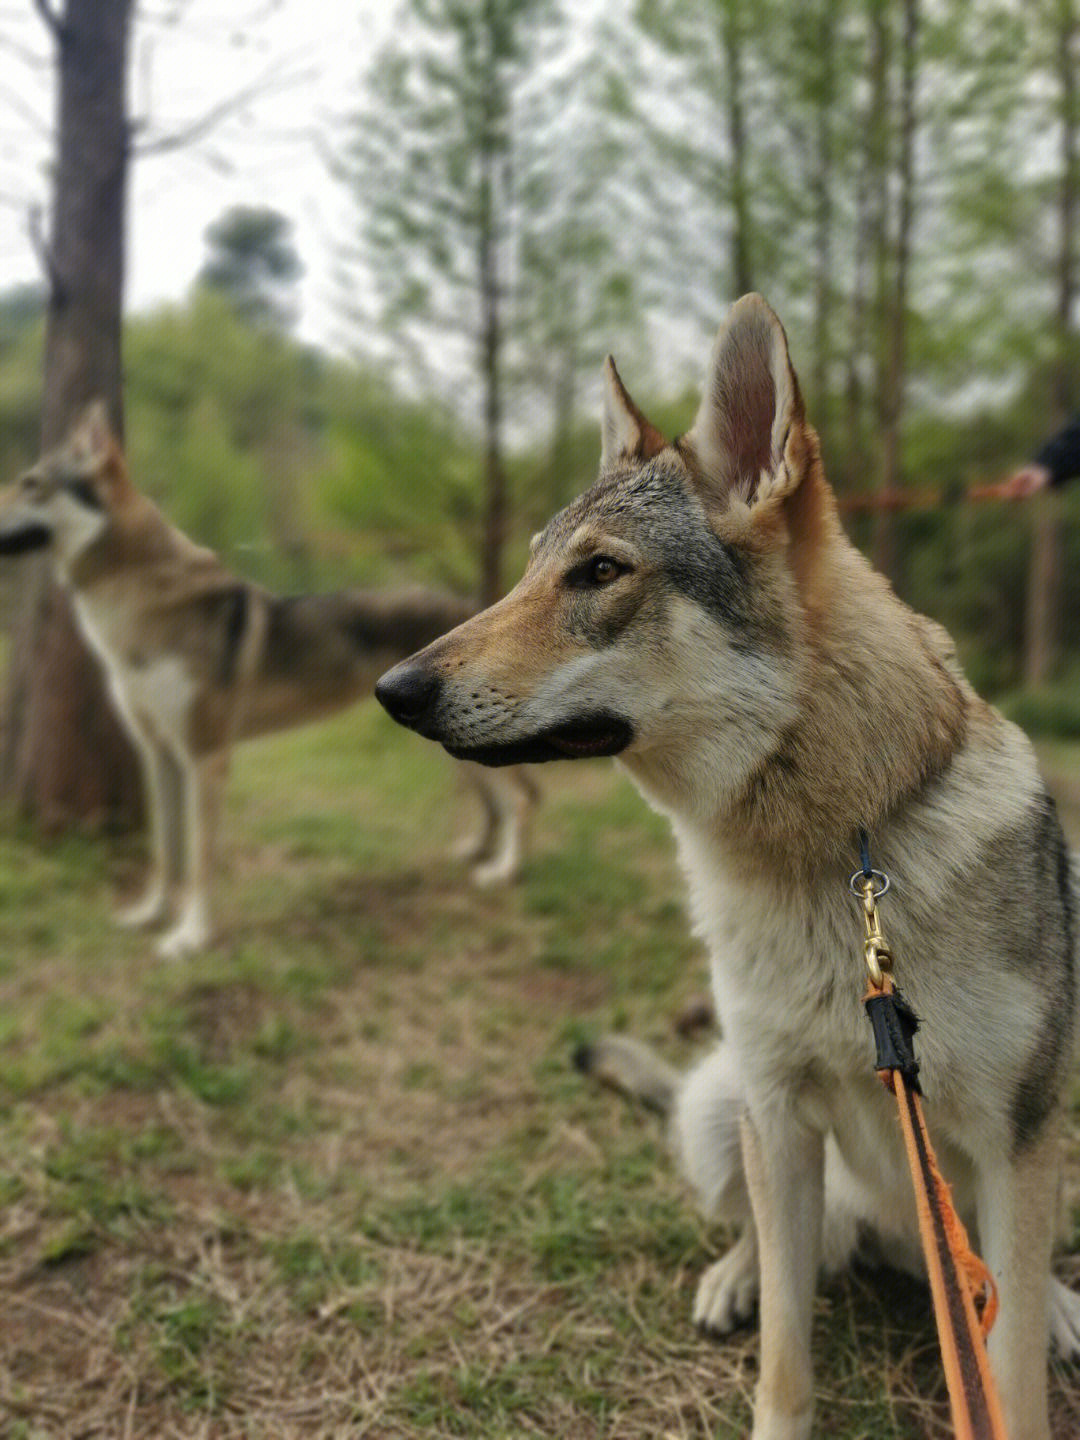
column 529, row 185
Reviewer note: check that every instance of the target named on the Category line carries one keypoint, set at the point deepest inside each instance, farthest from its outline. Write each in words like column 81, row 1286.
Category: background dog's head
column 63, row 501
column 666, row 602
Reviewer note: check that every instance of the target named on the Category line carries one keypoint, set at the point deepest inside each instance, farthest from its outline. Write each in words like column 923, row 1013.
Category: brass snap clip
column 869, row 888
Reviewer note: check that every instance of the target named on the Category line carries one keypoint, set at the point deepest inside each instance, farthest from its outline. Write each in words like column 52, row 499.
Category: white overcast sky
column 303, row 57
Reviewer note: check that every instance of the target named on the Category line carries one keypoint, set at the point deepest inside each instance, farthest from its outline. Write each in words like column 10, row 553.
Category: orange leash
column 963, row 1290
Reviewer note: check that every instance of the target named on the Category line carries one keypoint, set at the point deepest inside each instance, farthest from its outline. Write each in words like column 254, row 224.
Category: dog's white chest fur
column 154, row 694
column 788, row 974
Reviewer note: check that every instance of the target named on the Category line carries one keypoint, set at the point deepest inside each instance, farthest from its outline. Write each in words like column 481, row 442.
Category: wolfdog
column 701, row 614
column 196, row 659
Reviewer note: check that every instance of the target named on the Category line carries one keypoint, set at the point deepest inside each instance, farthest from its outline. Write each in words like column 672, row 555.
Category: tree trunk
column 879, row 119
column 1043, row 591
column 494, row 523
column 822, row 187
column 65, row 757
column 1044, row 573
column 857, row 461
column 741, row 247
column 892, row 399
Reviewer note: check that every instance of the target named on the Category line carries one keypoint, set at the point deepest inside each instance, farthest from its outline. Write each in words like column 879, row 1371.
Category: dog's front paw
column 471, row 848
column 727, row 1293
column 144, row 912
column 1065, row 1320
column 190, row 936
column 496, row 871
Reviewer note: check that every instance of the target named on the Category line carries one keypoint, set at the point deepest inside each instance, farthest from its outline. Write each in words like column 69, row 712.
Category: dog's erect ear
column 93, row 442
column 748, row 438
column 91, row 436
column 625, row 433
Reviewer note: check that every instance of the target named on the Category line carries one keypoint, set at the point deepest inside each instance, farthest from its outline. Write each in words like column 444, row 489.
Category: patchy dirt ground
column 338, row 1178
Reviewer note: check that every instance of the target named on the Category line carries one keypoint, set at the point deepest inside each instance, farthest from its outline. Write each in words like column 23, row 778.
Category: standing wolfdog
column 196, row 659
column 701, row 614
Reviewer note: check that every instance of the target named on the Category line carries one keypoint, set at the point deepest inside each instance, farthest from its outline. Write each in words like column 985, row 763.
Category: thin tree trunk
column 823, row 219
column 66, row 758
column 892, row 400
column 741, row 243
column 857, row 461
column 884, row 541
column 564, row 396
column 493, row 536
column 1044, row 574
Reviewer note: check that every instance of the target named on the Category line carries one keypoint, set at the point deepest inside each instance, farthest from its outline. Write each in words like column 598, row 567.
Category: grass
column 337, row 1177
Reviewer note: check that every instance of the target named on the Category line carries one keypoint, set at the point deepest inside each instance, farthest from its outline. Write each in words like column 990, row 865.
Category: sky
column 299, row 61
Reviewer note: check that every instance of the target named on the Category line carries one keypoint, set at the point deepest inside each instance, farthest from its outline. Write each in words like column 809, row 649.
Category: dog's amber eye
column 602, row 570
column 595, row 572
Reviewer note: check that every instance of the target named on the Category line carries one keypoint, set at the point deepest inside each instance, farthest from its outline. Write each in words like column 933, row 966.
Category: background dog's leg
column 1016, row 1202
column 161, row 798
column 511, row 798
column 203, row 786
column 785, row 1173
column 479, row 843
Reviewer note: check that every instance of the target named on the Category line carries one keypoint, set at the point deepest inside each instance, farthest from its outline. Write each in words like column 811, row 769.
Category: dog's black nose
column 408, row 692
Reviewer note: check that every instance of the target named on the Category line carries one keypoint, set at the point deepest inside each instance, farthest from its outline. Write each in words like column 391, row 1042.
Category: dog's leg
column 511, row 798
column 785, row 1173
column 161, row 797
column 479, row 843
column 1016, row 1204
column 705, row 1132
column 203, row 785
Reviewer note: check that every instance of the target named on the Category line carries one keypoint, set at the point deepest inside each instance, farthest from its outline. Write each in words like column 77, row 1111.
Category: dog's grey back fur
column 325, row 645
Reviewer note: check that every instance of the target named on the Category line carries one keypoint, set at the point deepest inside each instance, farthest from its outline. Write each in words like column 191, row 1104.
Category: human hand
column 1025, row 482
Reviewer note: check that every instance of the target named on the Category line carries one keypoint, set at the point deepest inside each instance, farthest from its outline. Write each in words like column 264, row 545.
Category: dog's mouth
column 21, row 539
column 584, row 738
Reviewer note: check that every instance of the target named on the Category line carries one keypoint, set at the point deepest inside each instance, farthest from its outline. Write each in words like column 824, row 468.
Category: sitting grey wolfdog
column 701, row 614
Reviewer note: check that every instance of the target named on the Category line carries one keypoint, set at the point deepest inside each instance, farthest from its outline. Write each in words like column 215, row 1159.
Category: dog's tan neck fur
column 881, row 715
column 138, row 536
column 879, row 712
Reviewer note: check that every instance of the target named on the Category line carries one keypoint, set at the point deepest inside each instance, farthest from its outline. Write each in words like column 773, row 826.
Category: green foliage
column 1048, row 710
column 302, row 471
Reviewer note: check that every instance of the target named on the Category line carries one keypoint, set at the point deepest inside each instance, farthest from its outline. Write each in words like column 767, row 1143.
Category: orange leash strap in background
column 958, row 1277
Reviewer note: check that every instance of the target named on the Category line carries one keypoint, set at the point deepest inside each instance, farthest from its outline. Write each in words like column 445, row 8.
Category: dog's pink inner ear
column 744, row 405
column 751, row 401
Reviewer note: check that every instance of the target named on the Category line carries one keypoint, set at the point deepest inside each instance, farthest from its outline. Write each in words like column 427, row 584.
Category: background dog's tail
column 631, row 1068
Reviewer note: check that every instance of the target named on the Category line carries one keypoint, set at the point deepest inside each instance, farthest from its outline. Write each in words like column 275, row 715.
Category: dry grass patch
column 337, row 1177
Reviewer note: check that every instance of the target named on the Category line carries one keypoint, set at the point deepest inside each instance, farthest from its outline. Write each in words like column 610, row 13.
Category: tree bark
column 66, row 758
column 494, row 187
column 891, row 408
column 741, row 247
column 1042, row 616
column 822, row 188
column 880, row 157
column 857, row 460
column 494, row 527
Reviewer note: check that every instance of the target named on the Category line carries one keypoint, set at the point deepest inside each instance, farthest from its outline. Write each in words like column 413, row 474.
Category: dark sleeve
column 1061, row 455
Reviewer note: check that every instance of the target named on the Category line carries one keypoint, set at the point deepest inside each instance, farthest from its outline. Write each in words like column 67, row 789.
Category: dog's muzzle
column 23, row 537
column 410, row 693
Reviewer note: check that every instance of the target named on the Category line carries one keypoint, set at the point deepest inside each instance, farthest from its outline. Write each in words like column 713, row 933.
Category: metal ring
column 882, row 886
